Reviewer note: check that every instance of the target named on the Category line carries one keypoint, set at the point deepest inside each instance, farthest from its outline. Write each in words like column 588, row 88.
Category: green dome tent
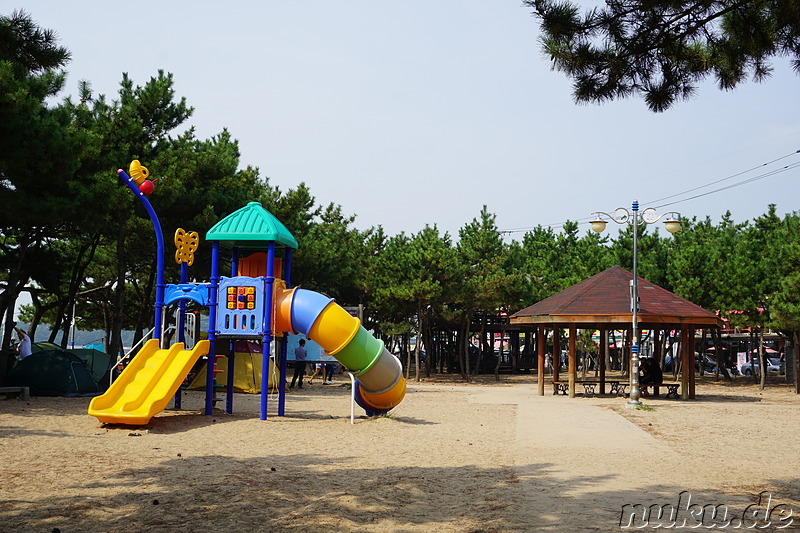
column 58, row 373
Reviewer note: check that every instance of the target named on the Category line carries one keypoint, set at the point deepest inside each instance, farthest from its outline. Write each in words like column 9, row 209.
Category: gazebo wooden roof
column 604, row 300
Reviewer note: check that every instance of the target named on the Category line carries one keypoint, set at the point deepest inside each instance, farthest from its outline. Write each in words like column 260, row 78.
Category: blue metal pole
column 633, row 398
column 231, row 344
column 213, row 288
column 287, row 276
column 266, row 341
column 181, row 324
column 182, row 306
column 235, row 262
column 287, row 267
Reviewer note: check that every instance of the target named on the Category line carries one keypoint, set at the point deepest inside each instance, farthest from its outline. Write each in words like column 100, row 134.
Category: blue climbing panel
column 241, row 301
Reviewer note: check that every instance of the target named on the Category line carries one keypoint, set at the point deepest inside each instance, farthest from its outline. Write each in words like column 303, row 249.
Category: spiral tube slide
column 380, row 384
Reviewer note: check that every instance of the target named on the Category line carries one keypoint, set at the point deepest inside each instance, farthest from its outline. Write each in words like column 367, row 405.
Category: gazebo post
column 573, row 332
column 690, row 336
column 602, row 356
column 686, row 364
column 556, row 353
column 541, row 347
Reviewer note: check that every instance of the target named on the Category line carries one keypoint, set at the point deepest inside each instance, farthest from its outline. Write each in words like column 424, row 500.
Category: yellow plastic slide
column 147, row 384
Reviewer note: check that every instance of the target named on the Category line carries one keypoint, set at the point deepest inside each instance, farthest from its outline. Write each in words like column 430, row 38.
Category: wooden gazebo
column 603, row 302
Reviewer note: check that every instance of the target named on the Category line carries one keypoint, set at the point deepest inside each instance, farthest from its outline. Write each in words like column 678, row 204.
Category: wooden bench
column 618, row 388
column 672, row 389
column 560, row 386
column 589, row 387
column 22, row 393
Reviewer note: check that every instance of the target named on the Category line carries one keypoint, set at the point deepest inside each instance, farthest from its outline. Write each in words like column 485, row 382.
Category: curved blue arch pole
column 159, row 305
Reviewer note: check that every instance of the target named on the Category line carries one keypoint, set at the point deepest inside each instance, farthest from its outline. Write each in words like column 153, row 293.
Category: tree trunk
column 796, row 360
column 144, row 313
column 465, row 363
column 516, row 356
column 751, row 358
column 669, row 348
column 115, row 346
column 16, row 279
column 722, row 356
column 408, row 356
column 499, row 356
column 762, row 360
column 418, row 347
column 7, row 359
column 431, row 347
column 626, row 352
column 583, row 364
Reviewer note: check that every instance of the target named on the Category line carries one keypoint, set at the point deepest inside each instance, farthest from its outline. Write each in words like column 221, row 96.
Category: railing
column 133, row 349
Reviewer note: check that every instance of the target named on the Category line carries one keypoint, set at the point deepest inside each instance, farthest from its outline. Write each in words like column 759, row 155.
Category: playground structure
column 254, row 303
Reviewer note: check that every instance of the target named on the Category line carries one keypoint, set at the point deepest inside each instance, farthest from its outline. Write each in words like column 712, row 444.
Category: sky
column 420, row 112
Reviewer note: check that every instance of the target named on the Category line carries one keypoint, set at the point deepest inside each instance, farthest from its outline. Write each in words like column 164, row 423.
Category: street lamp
column 632, row 217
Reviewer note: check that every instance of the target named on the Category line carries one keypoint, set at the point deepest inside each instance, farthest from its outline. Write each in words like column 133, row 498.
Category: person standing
column 24, row 349
column 300, row 355
column 318, row 367
column 329, row 368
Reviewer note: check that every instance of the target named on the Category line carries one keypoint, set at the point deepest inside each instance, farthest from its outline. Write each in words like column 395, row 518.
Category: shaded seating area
column 602, row 302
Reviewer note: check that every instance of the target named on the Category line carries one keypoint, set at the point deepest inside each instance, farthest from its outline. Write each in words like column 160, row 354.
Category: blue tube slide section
column 380, row 384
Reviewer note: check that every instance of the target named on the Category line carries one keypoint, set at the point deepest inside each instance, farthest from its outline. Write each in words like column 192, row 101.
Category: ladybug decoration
column 147, row 187
column 139, row 174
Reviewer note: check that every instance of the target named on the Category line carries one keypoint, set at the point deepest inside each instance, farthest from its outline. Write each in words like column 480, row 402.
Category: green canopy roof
column 251, row 227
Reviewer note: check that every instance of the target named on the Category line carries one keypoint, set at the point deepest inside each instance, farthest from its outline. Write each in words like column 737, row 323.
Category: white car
column 774, row 366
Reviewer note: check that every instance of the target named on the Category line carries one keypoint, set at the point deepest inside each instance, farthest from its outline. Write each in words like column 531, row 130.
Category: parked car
column 708, row 362
column 749, row 369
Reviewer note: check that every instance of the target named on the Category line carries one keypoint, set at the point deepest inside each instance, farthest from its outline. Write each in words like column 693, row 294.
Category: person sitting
column 650, row 372
column 24, row 348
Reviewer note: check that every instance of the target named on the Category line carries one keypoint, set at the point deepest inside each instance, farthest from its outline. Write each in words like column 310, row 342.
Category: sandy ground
column 452, row 457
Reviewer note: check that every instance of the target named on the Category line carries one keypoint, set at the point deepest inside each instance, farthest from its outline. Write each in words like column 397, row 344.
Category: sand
column 452, row 457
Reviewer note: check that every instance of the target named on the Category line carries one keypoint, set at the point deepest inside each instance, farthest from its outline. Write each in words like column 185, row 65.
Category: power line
column 723, row 179
column 743, row 182
column 720, row 189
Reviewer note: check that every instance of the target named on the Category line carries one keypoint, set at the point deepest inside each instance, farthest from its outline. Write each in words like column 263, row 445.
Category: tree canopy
column 76, row 239
column 662, row 50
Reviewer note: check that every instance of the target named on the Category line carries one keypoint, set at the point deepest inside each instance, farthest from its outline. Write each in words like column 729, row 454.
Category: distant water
column 81, row 339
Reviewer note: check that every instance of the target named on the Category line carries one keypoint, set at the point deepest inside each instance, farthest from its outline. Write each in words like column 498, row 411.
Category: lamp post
column 632, row 217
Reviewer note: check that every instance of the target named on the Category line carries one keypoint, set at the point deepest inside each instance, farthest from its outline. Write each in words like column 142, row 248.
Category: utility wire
column 731, row 186
column 723, row 179
column 743, row 182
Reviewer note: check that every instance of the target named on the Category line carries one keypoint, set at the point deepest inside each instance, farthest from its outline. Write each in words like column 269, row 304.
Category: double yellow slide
column 147, row 384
